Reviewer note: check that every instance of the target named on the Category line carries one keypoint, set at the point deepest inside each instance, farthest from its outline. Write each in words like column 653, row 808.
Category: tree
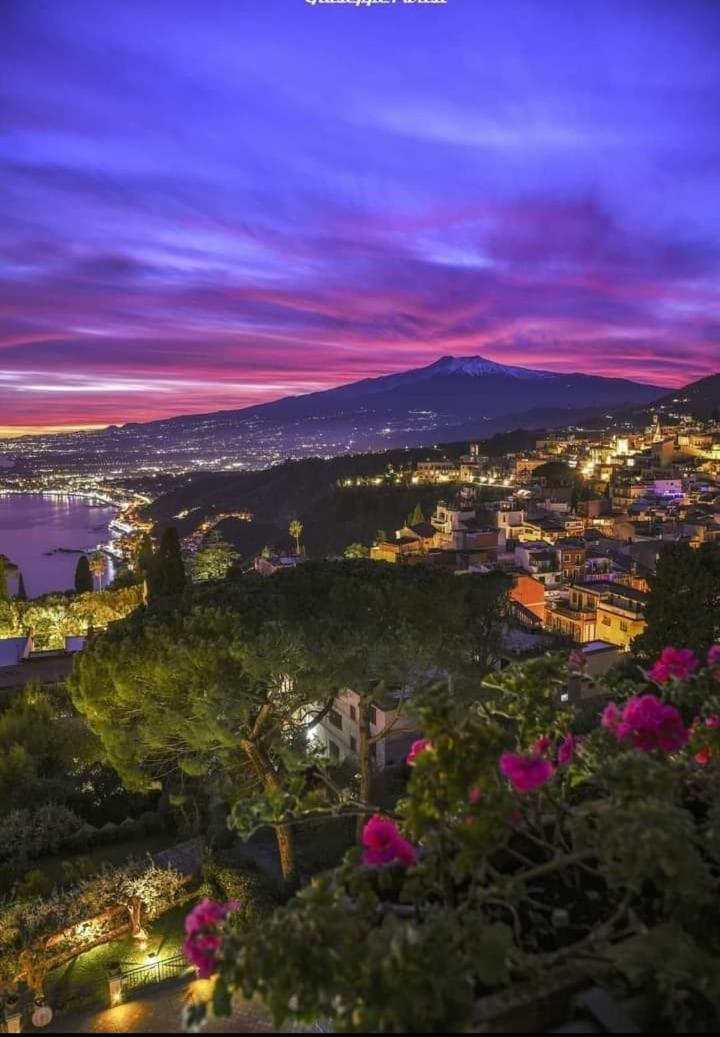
column 83, row 576
column 167, row 576
column 214, row 559
column 21, row 592
column 510, row 869
column 684, row 604
column 416, row 516
column 98, row 567
column 357, row 551
column 199, row 698
column 295, row 531
column 144, row 556
column 4, row 596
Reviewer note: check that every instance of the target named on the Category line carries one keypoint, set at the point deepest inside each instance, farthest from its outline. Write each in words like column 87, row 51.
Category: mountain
column 701, row 397
column 454, row 398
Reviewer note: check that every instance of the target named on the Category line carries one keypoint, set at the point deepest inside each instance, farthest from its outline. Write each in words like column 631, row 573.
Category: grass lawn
column 82, row 981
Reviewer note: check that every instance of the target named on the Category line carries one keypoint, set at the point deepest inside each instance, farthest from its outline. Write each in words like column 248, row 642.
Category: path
column 158, row 1009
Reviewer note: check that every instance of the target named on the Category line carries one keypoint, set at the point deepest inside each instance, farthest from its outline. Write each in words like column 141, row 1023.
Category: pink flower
column 383, row 844
column 712, row 721
column 416, row 748
column 703, row 757
column 566, row 751
column 526, row 773
column 475, row 795
column 651, row 724
column 542, row 745
column 673, row 664
column 610, row 717
column 713, row 657
column 203, row 939
column 576, row 661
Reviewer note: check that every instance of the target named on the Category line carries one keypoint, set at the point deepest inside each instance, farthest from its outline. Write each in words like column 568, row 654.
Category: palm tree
column 295, row 530
column 98, row 565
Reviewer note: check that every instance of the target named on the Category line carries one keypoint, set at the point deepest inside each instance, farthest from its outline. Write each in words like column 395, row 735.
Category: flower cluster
column 674, row 664
column 419, row 746
column 648, row 722
column 526, row 773
column 383, row 844
column 203, row 939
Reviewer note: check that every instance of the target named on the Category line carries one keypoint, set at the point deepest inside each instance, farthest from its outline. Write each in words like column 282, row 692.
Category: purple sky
column 209, row 203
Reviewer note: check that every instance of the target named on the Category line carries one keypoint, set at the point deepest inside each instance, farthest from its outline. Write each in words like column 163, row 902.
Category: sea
column 44, row 535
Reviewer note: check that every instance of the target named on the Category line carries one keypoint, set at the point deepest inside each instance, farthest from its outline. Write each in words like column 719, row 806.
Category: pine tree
column 167, row 576
column 21, row 592
column 83, row 576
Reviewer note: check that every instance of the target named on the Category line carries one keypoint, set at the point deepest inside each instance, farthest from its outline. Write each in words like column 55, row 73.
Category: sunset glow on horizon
column 208, row 209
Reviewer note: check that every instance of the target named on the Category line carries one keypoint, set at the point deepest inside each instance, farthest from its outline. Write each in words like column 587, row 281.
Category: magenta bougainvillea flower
column 611, row 716
column 577, row 661
column 651, row 724
column 475, row 794
column 713, row 657
column 703, row 757
column 416, row 748
column 383, row 844
column 526, row 773
column 542, row 746
column 566, row 752
column 203, row 934
column 674, row 664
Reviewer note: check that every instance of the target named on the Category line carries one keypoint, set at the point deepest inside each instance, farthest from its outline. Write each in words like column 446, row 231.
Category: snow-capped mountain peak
column 477, row 366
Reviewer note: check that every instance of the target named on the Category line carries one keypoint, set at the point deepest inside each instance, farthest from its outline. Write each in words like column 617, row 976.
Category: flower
column 610, row 716
column 651, row 724
column 526, row 773
column 415, row 749
column 475, row 794
column 703, row 757
column 713, row 657
column 542, row 745
column 712, row 721
column 203, row 940
column 673, row 664
column 566, row 751
column 383, row 844
column 576, row 661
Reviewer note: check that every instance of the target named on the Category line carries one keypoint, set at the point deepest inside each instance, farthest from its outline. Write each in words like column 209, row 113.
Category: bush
column 257, row 894
column 524, row 850
column 30, row 833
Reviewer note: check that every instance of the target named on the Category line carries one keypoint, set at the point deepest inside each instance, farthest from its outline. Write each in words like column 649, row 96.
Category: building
column 13, row 650
column 339, row 731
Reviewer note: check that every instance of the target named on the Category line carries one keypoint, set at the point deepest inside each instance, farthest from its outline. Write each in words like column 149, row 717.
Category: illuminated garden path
column 158, row 1009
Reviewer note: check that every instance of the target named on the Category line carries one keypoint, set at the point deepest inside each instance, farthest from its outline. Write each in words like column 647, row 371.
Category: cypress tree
column 416, row 516
column 83, row 576
column 21, row 592
column 167, row 576
column 144, row 557
column 3, row 580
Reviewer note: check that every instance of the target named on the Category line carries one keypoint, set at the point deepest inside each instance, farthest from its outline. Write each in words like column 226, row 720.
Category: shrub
column 520, row 848
column 30, row 833
column 249, row 885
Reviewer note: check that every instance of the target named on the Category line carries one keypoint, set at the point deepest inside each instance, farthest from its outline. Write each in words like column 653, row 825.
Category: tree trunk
column 365, row 761
column 284, row 834
column 135, row 911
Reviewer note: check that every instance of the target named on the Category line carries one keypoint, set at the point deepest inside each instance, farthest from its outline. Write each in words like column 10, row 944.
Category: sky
column 211, row 203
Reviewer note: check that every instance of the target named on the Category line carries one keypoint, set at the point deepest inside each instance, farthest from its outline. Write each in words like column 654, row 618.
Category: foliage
column 214, row 559
column 357, row 551
column 72, row 913
column 416, row 516
column 610, row 861
column 30, row 833
column 4, row 596
column 83, row 576
column 684, row 603
column 54, row 617
column 246, row 884
column 167, row 574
